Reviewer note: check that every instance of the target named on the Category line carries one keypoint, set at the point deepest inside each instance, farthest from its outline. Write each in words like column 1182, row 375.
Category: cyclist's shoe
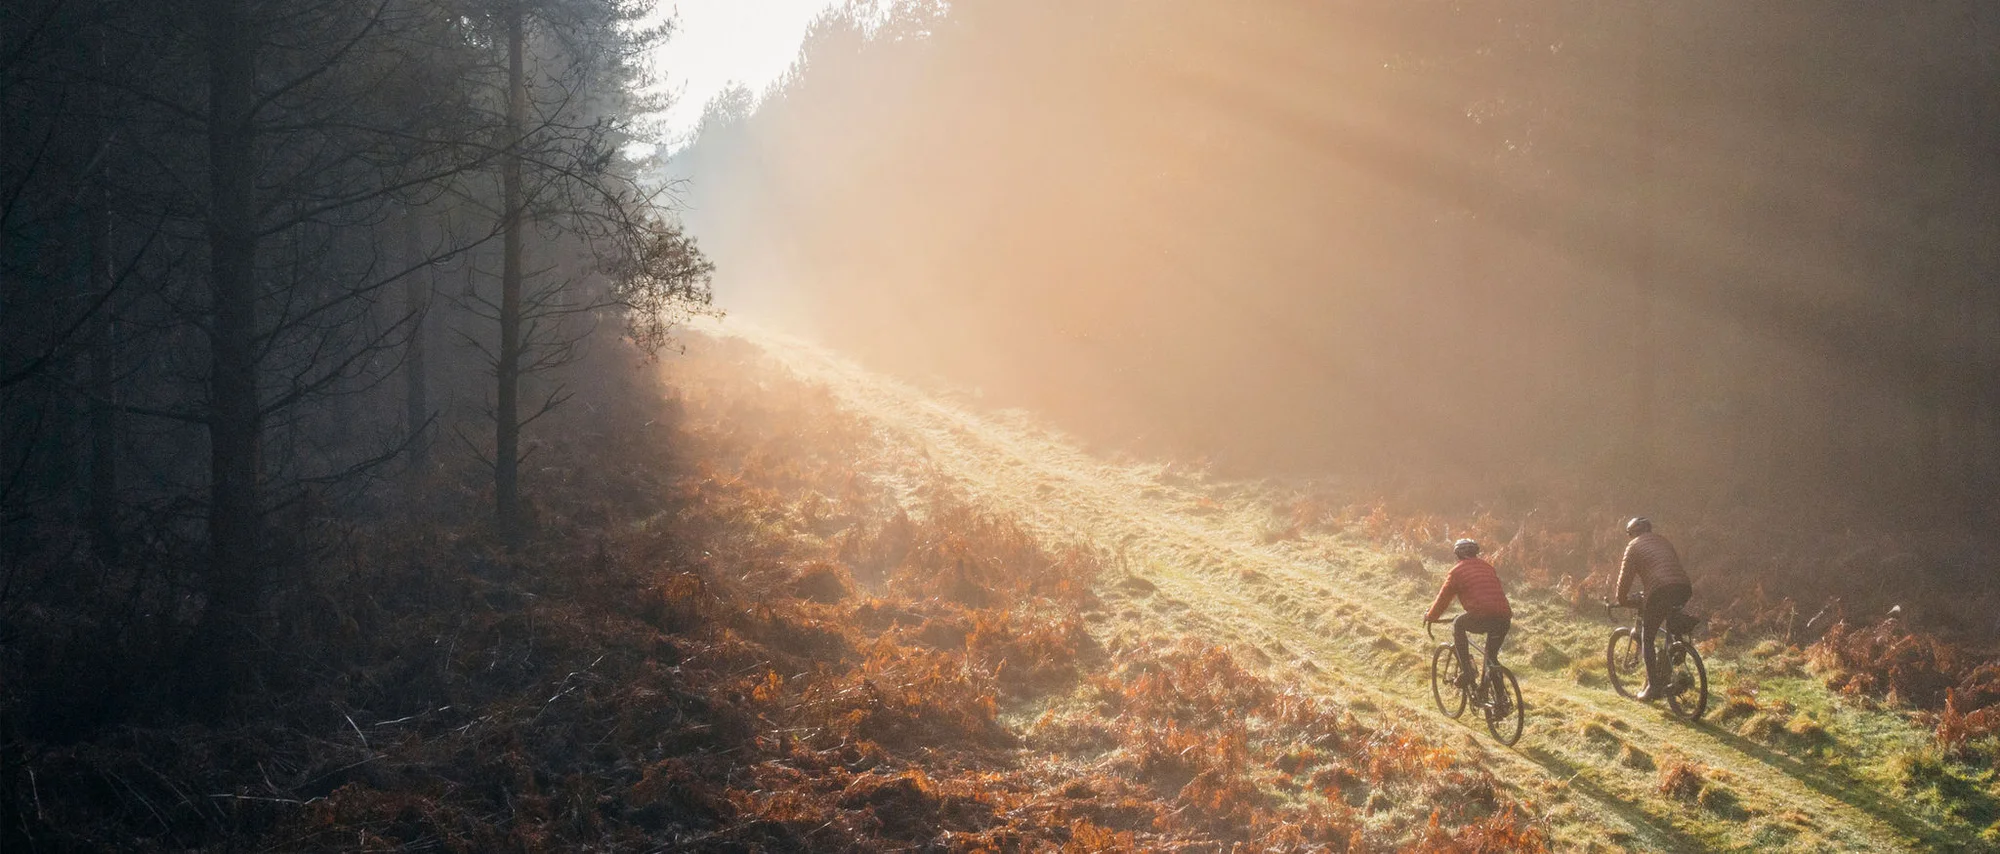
column 1648, row 693
column 1467, row 679
column 1503, row 705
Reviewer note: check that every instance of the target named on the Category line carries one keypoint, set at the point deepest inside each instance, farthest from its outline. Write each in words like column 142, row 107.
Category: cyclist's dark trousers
column 1494, row 628
column 1660, row 604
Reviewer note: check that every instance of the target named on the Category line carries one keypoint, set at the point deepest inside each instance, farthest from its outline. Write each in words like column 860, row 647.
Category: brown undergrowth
column 1960, row 687
column 725, row 636
column 1193, row 744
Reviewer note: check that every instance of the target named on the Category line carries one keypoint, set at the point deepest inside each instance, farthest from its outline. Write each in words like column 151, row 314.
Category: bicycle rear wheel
column 1506, row 715
column 1687, row 694
column 1444, row 681
column 1625, row 662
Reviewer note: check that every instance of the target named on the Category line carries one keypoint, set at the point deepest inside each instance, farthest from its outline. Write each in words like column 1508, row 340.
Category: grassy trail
column 1339, row 616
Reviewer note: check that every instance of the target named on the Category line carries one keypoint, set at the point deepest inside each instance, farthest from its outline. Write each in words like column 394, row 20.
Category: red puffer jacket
column 1477, row 587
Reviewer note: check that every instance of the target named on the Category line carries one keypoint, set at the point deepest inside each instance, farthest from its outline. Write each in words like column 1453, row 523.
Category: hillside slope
column 1779, row 764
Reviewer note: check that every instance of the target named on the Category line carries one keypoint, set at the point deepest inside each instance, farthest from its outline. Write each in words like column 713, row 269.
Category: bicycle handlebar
column 1611, row 607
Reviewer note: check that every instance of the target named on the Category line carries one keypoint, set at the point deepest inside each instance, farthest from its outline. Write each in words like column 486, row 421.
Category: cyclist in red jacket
column 1477, row 587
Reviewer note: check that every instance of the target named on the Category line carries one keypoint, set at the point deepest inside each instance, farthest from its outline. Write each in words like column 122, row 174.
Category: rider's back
column 1654, row 561
column 1478, row 588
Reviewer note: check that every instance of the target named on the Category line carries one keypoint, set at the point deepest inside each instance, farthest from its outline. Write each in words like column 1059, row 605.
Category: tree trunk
column 102, row 515
column 234, row 419
column 1645, row 347
column 1933, row 337
column 416, row 303
column 507, row 421
column 1985, row 312
column 103, row 385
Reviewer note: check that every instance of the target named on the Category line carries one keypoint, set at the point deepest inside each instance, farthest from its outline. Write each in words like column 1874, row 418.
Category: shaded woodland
column 1685, row 255
column 270, row 268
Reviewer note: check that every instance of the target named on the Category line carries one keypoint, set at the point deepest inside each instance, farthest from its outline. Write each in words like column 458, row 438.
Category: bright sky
column 727, row 41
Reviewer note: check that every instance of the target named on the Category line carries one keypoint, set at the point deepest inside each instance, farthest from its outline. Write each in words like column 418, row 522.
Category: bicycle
column 1625, row 662
column 1497, row 694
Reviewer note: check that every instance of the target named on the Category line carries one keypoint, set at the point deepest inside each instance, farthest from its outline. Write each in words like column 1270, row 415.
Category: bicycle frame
column 1491, row 691
column 1672, row 650
column 1430, row 631
column 1668, row 637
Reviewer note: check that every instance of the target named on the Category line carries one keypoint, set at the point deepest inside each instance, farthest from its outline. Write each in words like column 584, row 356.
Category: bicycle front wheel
column 1687, row 693
column 1444, row 681
column 1625, row 662
column 1506, row 715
